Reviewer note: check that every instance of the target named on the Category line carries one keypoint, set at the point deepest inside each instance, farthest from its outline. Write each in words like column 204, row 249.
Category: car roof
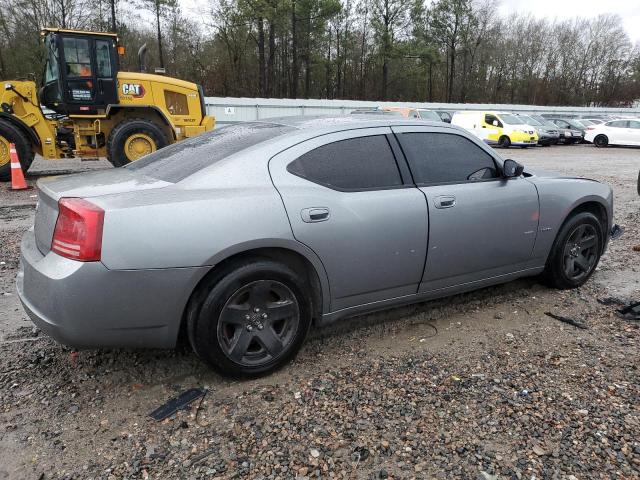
column 336, row 123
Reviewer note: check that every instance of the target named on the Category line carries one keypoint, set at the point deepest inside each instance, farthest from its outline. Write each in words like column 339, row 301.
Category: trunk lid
column 87, row 185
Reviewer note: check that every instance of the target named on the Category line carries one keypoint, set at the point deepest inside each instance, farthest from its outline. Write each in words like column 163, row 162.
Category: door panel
column 480, row 224
column 490, row 230
column 372, row 243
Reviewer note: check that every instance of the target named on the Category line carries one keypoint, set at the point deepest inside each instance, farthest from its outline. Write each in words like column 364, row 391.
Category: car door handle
column 445, row 201
column 314, row 214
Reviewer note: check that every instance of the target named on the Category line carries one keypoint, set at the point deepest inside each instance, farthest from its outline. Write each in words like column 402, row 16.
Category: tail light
column 590, row 128
column 78, row 232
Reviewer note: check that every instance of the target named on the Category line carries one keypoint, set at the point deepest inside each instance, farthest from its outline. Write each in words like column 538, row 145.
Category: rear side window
column 180, row 160
column 176, row 103
column 618, row 124
column 362, row 163
column 446, row 158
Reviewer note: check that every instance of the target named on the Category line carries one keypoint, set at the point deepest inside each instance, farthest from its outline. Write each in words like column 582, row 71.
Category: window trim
column 497, row 164
column 393, row 151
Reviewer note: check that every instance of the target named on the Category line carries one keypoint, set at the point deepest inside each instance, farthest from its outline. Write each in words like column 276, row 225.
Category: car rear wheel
column 504, row 141
column 250, row 319
column 575, row 253
column 601, row 141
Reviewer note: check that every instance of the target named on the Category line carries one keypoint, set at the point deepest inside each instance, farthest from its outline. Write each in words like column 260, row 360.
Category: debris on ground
column 630, row 312
column 567, row 320
column 178, row 403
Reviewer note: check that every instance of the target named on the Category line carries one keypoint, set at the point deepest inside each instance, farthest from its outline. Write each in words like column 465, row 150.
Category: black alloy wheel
column 258, row 323
column 601, row 141
column 580, row 252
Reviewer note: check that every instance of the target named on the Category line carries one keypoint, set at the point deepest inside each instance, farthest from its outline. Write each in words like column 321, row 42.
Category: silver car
column 246, row 236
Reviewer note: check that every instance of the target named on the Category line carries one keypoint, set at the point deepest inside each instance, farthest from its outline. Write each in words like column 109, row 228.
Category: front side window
column 490, row 119
column 51, row 68
column 77, row 57
column 446, row 158
column 103, row 58
column 634, row 124
column 363, row 163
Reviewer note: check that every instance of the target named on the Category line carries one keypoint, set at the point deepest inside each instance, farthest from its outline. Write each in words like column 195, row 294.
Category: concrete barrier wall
column 232, row 109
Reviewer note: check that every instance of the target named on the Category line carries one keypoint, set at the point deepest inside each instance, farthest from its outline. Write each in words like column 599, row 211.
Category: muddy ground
column 481, row 385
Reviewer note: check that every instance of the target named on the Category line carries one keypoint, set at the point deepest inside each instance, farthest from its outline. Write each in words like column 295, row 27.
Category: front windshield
column 531, row 121
column 430, row 115
column 51, row 67
column 510, row 119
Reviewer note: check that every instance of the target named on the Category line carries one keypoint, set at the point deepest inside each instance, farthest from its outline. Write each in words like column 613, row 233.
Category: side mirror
column 495, row 123
column 511, row 169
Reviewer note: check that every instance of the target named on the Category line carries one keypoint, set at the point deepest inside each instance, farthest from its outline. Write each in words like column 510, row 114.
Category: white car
column 615, row 132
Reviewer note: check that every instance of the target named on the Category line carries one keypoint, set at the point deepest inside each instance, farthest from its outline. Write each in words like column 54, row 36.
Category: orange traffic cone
column 17, row 177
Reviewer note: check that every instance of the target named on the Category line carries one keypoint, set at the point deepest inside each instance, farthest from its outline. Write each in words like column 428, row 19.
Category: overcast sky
column 629, row 10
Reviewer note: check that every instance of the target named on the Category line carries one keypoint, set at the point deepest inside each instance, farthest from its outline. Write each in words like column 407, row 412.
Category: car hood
column 94, row 184
column 540, row 173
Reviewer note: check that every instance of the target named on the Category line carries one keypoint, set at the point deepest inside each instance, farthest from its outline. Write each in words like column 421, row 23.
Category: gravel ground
column 481, row 385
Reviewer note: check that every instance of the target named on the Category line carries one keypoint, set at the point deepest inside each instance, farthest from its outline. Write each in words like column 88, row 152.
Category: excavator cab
column 80, row 75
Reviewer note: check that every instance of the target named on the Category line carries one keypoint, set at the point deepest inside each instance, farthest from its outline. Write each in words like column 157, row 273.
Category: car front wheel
column 250, row 319
column 504, row 141
column 575, row 252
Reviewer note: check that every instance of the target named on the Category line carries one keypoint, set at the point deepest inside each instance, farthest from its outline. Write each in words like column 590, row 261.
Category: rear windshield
column 180, row 160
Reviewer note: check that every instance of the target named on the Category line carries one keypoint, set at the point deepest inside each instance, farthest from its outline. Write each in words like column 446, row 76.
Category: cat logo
column 133, row 89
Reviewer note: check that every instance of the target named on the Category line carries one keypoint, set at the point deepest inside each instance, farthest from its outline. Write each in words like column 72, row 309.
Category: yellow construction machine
column 87, row 108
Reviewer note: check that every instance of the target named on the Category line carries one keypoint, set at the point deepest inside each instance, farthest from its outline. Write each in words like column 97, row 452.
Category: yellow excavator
column 91, row 109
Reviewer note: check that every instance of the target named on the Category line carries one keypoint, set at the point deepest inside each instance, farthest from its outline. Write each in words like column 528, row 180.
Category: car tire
column 504, row 141
column 601, row 141
column 234, row 318
column 128, row 135
column 575, row 252
column 11, row 134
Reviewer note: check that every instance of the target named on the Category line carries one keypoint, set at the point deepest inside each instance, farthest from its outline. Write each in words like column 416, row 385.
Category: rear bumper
column 87, row 305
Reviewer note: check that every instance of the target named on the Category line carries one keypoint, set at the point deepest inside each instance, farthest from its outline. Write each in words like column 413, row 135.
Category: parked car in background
column 497, row 128
column 615, row 132
column 576, row 130
column 594, row 121
column 445, row 115
column 376, row 111
column 406, row 112
column 565, row 135
column 426, row 114
column 315, row 219
column 410, row 112
column 547, row 135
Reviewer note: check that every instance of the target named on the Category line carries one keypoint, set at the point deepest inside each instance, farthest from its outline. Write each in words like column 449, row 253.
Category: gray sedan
column 244, row 237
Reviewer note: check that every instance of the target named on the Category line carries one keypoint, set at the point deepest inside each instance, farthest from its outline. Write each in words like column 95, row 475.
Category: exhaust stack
column 142, row 58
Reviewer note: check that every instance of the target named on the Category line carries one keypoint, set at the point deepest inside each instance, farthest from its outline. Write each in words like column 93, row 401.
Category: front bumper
column 87, row 305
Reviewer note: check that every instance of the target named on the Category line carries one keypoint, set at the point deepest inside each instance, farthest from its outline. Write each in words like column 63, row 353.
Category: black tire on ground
column 235, row 327
column 126, row 129
column 575, row 252
column 601, row 141
column 11, row 134
column 504, row 141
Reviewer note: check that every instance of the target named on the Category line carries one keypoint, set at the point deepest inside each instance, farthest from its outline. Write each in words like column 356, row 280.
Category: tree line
column 416, row 50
